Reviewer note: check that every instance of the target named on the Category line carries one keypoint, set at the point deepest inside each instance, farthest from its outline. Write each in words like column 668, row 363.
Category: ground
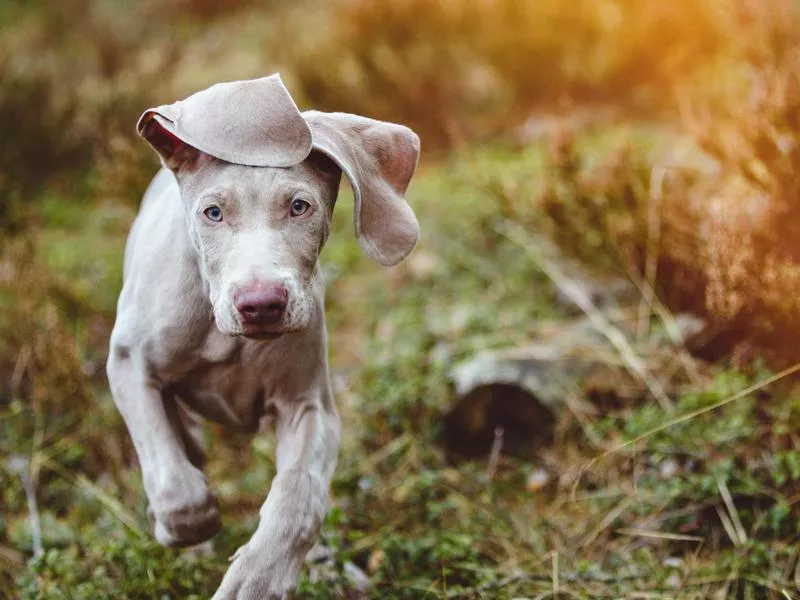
column 694, row 493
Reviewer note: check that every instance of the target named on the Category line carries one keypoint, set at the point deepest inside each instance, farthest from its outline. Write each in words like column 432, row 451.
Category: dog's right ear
column 173, row 151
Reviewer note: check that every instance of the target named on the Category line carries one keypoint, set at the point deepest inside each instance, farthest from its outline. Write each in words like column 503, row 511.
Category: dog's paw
column 256, row 575
column 184, row 511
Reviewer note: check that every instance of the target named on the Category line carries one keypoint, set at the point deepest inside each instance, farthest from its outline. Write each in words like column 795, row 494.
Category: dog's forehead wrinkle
column 217, row 194
column 245, row 183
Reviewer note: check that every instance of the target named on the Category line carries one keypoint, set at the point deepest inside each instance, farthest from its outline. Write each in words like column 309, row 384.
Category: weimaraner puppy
column 221, row 310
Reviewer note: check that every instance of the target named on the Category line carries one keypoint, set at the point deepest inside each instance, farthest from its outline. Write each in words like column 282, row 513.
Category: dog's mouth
column 264, row 332
column 256, row 332
column 267, row 332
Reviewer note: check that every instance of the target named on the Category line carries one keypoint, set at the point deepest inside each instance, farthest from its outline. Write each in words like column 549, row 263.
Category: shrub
column 747, row 118
column 472, row 68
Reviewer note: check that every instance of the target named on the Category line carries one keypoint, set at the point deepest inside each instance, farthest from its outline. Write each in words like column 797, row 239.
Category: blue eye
column 299, row 207
column 213, row 213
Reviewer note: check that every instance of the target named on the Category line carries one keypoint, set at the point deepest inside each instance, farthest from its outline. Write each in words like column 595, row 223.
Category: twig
column 727, row 525
column 20, row 366
column 736, row 522
column 660, row 535
column 556, row 574
column 652, row 248
column 21, row 466
column 494, row 453
column 671, row 326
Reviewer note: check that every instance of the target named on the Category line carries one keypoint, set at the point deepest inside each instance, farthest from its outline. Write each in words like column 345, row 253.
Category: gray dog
column 221, row 311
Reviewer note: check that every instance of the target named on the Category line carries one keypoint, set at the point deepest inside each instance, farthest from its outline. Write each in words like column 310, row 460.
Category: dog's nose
column 262, row 305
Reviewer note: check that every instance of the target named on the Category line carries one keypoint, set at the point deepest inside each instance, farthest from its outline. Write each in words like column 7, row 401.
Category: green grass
column 705, row 508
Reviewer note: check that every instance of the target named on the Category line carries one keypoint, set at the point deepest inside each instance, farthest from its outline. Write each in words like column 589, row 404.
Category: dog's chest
column 231, row 384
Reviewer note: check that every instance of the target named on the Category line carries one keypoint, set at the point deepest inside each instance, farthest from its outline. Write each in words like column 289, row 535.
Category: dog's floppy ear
column 173, row 151
column 378, row 159
column 254, row 123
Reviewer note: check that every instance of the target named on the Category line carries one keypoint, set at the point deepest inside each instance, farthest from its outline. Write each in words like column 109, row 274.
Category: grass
column 706, row 506
column 582, row 146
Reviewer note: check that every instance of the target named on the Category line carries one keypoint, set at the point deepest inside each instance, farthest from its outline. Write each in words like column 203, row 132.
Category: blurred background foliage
column 654, row 142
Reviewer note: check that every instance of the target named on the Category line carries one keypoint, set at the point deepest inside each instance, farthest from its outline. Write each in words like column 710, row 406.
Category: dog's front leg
column 184, row 509
column 308, row 440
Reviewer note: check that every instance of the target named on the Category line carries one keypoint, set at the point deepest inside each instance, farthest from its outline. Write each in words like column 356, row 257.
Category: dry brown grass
column 49, row 351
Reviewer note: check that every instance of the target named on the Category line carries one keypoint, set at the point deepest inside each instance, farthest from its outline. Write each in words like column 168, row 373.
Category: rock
column 376, row 560
column 356, row 577
column 537, row 480
column 668, row 468
column 673, row 562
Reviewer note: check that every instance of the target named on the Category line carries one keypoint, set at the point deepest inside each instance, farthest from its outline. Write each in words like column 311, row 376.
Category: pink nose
column 261, row 304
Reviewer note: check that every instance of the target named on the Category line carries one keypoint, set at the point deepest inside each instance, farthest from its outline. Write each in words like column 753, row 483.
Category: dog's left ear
column 379, row 159
column 254, row 123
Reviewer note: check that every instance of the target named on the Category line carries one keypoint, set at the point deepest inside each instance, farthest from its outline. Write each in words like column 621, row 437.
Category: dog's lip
column 262, row 333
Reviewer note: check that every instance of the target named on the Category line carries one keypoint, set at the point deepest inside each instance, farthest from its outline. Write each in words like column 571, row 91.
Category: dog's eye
column 213, row 213
column 299, row 207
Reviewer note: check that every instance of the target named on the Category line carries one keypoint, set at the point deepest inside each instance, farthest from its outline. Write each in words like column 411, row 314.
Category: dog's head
column 259, row 180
